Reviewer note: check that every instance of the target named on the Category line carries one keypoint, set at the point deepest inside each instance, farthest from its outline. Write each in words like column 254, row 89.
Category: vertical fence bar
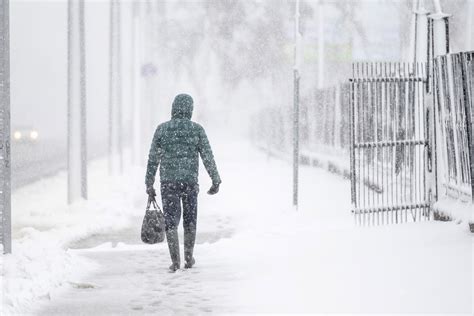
column 406, row 137
column 422, row 148
column 360, row 112
column 411, row 130
column 372, row 149
column 436, row 125
column 386, row 139
column 352, row 140
column 377, row 138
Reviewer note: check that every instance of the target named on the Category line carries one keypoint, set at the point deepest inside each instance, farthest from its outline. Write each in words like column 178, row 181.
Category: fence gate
column 389, row 143
column 454, row 104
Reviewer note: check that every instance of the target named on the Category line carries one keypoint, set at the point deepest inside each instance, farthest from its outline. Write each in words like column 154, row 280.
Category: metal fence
column 325, row 120
column 405, row 151
column 389, row 147
column 324, row 124
column 454, row 104
column 5, row 212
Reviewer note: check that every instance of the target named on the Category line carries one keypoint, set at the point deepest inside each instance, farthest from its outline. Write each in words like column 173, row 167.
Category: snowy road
column 256, row 254
column 32, row 162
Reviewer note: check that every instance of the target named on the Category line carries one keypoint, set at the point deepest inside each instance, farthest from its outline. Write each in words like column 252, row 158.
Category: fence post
column 468, row 83
column 440, row 24
column 5, row 163
column 438, row 44
column 421, row 33
column 468, row 80
column 470, row 26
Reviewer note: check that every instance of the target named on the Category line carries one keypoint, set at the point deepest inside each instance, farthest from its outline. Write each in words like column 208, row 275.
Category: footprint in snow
column 82, row 285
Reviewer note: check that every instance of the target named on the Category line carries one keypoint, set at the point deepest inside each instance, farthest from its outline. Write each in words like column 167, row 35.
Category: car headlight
column 17, row 135
column 34, row 135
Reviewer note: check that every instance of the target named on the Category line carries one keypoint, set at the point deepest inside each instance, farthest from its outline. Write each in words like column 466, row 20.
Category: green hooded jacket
column 176, row 147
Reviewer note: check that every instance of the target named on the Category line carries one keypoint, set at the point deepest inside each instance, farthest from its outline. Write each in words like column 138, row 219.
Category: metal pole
column 111, row 86
column 470, row 26
column 119, row 88
column 421, row 33
column 5, row 166
column 115, row 92
column 296, row 137
column 411, row 51
column 133, row 74
column 83, row 111
column 440, row 33
column 320, row 44
column 70, row 197
column 76, row 114
column 296, row 112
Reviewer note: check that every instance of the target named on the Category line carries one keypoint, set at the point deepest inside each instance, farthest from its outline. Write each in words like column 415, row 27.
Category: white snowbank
column 457, row 210
column 43, row 226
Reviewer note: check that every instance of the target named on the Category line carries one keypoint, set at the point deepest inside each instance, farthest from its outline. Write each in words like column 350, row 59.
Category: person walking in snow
column 175, row 148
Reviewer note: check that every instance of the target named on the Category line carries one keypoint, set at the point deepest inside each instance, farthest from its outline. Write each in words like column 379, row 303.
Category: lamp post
column 296, row 100
column 76, row 96
column 5, row 163
column 320, row 45
column 115, row 90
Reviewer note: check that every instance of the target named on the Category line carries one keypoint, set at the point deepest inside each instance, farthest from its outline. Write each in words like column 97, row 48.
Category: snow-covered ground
column 44, row 226
column 255, row 253
column 458, row 210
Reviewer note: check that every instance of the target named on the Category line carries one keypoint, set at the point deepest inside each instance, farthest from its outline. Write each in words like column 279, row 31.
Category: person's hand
column 214, row 189
column 151, row 192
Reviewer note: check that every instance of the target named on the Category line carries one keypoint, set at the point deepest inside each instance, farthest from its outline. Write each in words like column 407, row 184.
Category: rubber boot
column 189, row 240
column 173, row 246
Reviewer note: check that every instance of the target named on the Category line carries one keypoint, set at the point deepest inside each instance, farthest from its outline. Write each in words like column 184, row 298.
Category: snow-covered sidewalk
column 256, row 254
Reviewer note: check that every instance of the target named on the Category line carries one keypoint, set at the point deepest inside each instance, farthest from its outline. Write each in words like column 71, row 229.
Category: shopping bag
column 153, row 226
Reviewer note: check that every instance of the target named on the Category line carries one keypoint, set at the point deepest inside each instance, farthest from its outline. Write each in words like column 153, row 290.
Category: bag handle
column 152, row 202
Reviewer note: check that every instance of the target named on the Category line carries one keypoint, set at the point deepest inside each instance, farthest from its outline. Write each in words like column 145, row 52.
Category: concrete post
column 5, row 162
column 76, row 115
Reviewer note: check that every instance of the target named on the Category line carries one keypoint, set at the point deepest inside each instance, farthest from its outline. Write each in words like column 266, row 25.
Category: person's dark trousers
column 172, row 195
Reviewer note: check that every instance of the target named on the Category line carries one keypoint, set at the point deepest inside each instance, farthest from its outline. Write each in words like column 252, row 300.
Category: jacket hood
column 182, row 107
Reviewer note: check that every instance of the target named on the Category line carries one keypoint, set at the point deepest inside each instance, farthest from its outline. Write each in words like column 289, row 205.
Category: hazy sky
column 39, row 61
column 39, row 65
